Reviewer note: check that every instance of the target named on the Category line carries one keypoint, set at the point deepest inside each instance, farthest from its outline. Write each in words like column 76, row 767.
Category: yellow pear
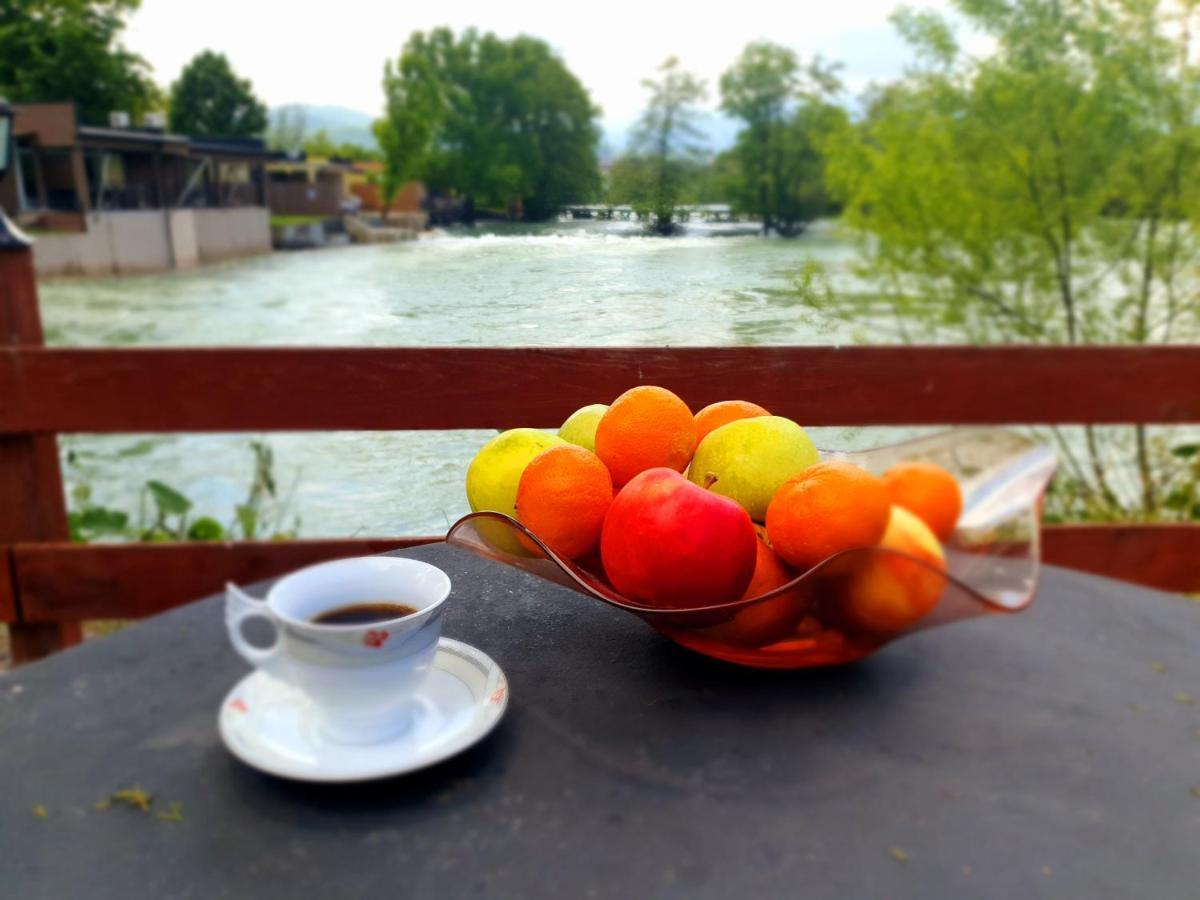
column 748, row 460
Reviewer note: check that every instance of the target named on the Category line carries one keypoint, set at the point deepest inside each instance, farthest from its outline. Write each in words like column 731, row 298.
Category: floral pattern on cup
column 375, row 639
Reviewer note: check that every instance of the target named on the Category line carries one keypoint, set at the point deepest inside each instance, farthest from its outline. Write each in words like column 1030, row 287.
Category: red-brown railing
column 47, row 585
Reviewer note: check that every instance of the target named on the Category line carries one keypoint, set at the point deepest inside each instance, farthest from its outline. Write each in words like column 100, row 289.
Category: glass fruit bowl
column 843, row 609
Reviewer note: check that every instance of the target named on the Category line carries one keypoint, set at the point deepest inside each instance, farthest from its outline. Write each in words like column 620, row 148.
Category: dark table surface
column 1054, row 753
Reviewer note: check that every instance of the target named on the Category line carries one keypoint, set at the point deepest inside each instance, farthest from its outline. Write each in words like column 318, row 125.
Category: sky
column 333, row 53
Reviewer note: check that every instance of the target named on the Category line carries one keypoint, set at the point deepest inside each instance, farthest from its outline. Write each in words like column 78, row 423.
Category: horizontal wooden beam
column 1166, row 557
column 273, row 389
column 60, row 582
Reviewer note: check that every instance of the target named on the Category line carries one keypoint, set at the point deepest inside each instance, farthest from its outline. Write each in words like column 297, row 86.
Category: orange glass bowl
column 992, row 563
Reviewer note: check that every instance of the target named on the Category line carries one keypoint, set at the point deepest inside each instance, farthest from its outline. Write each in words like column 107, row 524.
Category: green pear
column 495, row 472
column 580, row 427
column 748, row 460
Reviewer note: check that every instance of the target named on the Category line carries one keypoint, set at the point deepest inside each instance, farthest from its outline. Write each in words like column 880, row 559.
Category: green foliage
column 776, row 168
column 287, row 129
column 502, row 122
column 1047, row 192
column 664, row 156
column 321, row 146
column 210, row 100
column 68, row 50
column 261, row 514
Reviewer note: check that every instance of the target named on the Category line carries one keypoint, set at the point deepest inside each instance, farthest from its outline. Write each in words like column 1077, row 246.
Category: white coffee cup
column 360, row 678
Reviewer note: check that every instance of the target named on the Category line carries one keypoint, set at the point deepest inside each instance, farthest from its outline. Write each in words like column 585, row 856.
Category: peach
column 886, row 593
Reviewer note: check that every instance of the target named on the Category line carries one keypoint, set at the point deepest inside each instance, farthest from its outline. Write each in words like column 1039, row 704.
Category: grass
column 47, row 232
column 285, row 221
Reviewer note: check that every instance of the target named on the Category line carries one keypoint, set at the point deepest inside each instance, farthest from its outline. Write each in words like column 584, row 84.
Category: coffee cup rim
column 325, row 628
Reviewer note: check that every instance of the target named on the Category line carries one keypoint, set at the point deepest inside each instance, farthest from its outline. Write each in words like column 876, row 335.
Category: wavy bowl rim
column 582, row 582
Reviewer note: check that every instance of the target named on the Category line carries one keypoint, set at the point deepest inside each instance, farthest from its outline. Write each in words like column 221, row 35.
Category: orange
column 927, row 490
column 715, row 415
column 770, row 571
column 563, row 496
column 827, row 508
column 645, row 427
column 768, row 621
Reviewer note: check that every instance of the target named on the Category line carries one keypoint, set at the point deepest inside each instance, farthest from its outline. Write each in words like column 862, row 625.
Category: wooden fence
column 47, row 584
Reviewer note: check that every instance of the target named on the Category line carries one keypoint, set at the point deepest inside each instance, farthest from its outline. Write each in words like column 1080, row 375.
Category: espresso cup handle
column 240, row 607
column 262, row 657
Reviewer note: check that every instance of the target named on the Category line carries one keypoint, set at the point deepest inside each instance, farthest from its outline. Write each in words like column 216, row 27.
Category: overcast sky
column 333, row 52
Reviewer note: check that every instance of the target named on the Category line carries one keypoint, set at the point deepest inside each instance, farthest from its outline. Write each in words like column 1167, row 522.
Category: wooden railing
column 47, row 584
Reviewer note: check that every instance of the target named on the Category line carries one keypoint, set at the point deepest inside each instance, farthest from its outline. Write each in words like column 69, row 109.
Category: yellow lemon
column 495, row 472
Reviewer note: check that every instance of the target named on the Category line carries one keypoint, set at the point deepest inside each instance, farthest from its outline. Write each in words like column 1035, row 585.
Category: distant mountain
column 343, row 125
column 350, row 126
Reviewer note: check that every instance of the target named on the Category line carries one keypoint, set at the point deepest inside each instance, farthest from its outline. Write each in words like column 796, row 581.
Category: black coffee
column 363, row 614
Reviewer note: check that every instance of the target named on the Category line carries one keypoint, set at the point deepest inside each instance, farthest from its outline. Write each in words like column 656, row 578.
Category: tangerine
column 563, row 497
column 646, row 427
column 928, row 491
column 827, row 508
column 723, row 412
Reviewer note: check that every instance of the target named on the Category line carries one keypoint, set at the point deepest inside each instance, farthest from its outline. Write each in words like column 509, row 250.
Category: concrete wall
column 153, row 241
column 85, row 253
column 222, row 233
column 183, row 235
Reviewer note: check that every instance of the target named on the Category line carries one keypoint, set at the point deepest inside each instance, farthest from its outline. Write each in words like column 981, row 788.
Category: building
column 363, row 183
column 121, row 199
column 308, row 187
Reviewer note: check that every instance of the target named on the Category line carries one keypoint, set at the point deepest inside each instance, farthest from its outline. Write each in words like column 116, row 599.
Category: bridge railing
column 47, row 585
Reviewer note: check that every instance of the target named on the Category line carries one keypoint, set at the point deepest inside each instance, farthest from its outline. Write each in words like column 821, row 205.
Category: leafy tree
column 778, row 163
column 209, row 99
column 504, row 123
column 321, row 146
column 287, row 129
column 415, row 109
column 68, row 50
column 1048, row 192
column 664, row 149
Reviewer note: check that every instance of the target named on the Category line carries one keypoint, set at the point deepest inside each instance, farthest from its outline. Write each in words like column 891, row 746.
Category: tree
column 209, row 99
column 664, row 149
column 67, row 50
column 322, row 146
column 782, row 105
column 504, row 123
column 287, row 129
column 1049, row 193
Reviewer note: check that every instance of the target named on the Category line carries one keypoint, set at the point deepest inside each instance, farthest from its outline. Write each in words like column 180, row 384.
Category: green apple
column 748, row 460
column 580, row 427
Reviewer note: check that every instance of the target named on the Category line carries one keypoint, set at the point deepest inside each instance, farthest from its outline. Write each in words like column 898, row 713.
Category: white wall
column 153, row 241
column 222, row 233
column 86, row 253
column 183, row 236
column 138, row 240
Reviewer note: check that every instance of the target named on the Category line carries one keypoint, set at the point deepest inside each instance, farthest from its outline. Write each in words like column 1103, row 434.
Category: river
column 574, row 283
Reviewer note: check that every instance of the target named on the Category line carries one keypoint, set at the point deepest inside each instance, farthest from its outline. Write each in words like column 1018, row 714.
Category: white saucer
column 270, row 725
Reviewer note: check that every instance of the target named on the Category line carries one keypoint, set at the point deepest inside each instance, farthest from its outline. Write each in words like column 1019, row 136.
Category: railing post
column 31, row 487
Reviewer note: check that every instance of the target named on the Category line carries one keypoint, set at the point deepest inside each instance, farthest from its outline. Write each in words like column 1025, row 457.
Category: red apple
column 670, row 544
